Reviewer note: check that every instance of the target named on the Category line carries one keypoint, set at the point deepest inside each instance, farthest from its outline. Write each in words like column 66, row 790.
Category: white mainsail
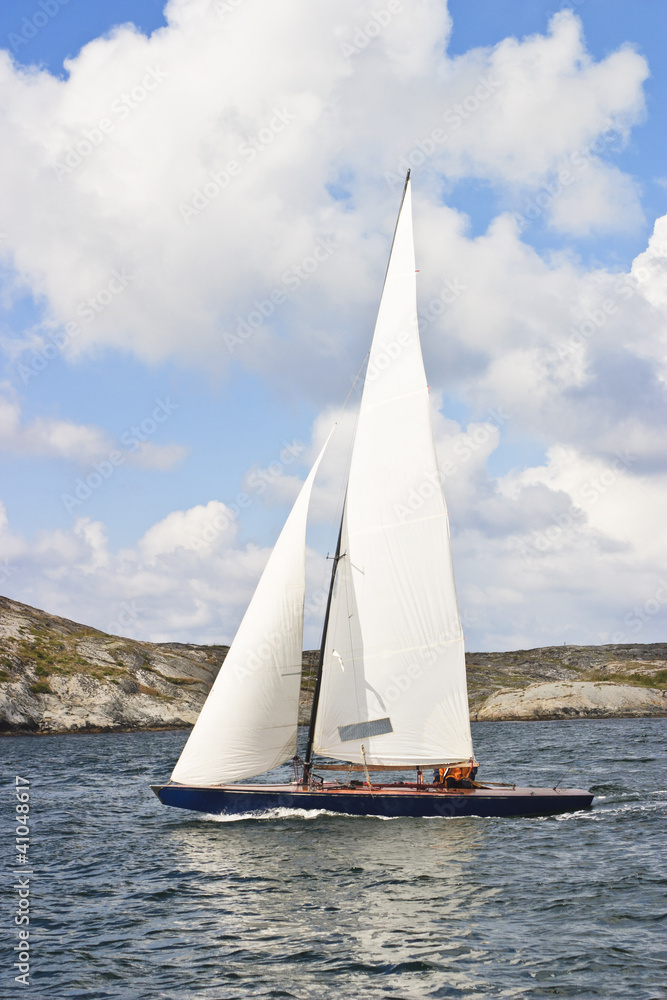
column 249, row 721
column 394, row 668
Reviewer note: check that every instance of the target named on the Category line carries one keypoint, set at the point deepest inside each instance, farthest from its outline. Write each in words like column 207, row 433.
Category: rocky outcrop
column 635, row 664
column 573, row 699
column 58, row 676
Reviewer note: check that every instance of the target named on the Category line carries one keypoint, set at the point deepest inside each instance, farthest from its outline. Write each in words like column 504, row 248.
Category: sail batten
column 394, row 645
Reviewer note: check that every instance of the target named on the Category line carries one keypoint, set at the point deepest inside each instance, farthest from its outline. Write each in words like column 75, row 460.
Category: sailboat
column 390, row 698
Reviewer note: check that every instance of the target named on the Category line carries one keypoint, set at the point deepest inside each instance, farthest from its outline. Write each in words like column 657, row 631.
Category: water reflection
column 355, row 894
column 136, row 899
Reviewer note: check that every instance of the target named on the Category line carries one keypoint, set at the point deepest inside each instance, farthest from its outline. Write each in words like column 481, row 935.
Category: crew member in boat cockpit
column 454, row 777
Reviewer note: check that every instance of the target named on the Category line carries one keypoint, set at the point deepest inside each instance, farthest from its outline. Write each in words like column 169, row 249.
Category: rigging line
column 368, row 777
column 343, row 485
column 348, row 457
column 356, row 379
column 391, row 250
column 318, row 683
column 320, row 667
column 393, row 239
column 572, row 768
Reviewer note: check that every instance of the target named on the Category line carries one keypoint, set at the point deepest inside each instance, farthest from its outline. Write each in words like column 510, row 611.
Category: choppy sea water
column 135, row 900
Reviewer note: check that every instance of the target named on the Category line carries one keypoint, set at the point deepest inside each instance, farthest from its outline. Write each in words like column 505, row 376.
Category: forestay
column 394, row 669
column 249, row 721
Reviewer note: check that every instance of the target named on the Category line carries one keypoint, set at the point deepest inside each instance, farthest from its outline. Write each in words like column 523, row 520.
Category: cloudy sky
column 196, row 207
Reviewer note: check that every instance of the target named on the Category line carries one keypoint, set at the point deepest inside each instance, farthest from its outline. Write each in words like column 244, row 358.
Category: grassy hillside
column 57, row 675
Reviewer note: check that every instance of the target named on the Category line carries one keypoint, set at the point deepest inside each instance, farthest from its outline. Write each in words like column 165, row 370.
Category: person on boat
column 460, row 777
column 455, row 777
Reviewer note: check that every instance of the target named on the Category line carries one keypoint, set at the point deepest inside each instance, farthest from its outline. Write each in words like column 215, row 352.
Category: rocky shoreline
column 57, row 676
column 571, row 700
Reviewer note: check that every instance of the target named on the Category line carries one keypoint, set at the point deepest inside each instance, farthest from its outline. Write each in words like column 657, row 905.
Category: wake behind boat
column 391, row 692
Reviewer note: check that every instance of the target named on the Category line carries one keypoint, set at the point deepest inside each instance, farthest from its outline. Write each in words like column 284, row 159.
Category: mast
column 336, row 559
column 395, row 690
column 320, row 664
column 398, row 218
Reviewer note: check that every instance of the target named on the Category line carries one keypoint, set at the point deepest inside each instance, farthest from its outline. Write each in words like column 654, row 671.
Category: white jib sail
column 394, row 669
column 249, row 721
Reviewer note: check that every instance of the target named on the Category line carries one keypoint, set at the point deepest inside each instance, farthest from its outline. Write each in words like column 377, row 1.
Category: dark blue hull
column 393, row 802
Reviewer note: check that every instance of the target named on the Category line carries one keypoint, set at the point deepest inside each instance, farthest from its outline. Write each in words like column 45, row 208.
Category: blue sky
column 340, row 107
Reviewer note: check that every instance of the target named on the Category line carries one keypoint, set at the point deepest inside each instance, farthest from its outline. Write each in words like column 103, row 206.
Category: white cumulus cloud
column 166, row 187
